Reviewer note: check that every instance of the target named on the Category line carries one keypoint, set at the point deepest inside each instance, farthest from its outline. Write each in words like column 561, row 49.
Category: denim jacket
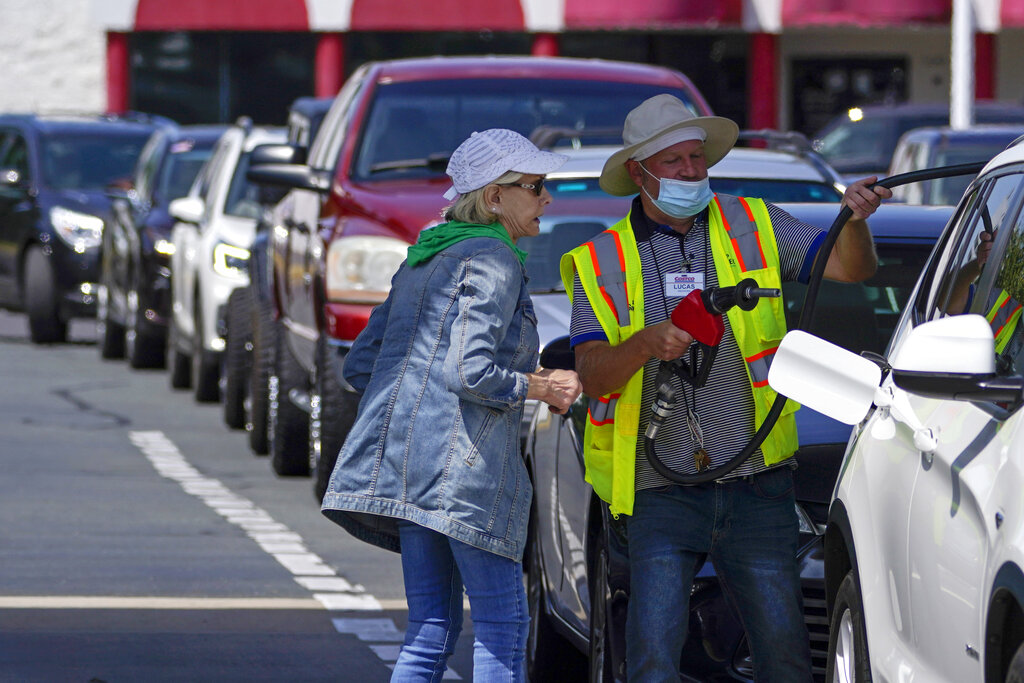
column 441, row 366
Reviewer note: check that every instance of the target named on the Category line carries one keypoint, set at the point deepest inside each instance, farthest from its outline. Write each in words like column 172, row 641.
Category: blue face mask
column 681, row 198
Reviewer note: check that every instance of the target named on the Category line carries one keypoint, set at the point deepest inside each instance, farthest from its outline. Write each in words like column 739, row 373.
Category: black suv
column 134, row 296
column 54, row 171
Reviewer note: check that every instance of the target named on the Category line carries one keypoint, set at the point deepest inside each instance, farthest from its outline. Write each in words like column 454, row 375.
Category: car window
column 777, row 191
column 1002, row 307
column 413, row 127
column 88, row 160
column 323, row 152
column 957, row 287
column 16, row 157
column 184, row 160
column 243, row 196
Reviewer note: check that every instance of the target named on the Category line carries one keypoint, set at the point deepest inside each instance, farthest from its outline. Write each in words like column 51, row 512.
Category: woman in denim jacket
column 432, row 466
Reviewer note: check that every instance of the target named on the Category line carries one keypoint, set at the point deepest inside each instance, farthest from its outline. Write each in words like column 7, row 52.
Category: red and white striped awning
column 540, row 16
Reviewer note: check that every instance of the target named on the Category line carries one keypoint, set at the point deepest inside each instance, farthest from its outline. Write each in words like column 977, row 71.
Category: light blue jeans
column 750, row 531
column 436, row 568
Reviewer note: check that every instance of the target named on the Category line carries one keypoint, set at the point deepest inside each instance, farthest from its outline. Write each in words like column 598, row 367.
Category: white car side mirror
column 824, row 377
column 187, row 209
column 960, row 344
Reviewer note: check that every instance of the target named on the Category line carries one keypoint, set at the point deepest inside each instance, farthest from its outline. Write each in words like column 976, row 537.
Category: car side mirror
column 953, row 359
column 291, row 176
column 187, row 209
column 558, row 355
column 277, row 154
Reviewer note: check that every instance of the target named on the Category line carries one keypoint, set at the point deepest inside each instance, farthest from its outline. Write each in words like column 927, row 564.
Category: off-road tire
column 179, row 363
column 205, row 364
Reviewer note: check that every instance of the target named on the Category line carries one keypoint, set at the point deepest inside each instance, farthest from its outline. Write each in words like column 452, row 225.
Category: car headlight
column 807, row 524
column 359, row 269
column 230, row 260
column 81, row 231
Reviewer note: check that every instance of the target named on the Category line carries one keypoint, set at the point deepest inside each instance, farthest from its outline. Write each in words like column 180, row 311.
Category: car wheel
column 600, row 656
column 847, row 644
column 110, row 334
column 288, row 425
column 205, row 364
column 180, row 363
column 333, row 410
column 143, row 350
column 236, row 357
column 259, row 377
column 1015, row 673
column 44, row 323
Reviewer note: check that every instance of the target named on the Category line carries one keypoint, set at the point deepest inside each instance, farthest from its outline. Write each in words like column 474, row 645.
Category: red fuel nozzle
column 700, row 312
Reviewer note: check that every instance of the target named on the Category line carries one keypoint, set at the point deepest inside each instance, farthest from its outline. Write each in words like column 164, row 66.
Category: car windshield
column 180, row 170
column 243, row 196
column 862, row 146
column 862, row 316
column 413, row 128
column 89, row 161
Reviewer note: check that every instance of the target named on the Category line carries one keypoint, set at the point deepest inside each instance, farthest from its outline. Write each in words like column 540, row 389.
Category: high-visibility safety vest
column 1003, row 317
column 742, row 245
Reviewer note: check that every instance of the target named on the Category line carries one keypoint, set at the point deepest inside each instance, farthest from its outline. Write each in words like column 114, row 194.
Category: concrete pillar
column 118, row 72
column 984, row 66
column 762, row 81
column 545, row 45
column 330, row 64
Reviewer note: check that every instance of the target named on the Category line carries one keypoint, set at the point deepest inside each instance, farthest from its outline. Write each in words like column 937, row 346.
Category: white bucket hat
column 660, row 122
column 487, row 155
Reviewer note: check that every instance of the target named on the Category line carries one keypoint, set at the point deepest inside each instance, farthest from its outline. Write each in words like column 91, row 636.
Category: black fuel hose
column 804, row 323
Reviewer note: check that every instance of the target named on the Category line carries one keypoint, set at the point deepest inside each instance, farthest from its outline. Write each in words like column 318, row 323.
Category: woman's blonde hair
column 473, row 208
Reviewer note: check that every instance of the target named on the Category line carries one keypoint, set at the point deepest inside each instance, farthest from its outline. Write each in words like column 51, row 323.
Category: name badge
column 681, row 284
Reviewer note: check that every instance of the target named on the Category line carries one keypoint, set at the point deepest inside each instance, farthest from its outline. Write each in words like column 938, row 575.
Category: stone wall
column 52, row 57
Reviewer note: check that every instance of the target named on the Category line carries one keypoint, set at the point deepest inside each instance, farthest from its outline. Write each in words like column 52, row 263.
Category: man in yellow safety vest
column 624, row 284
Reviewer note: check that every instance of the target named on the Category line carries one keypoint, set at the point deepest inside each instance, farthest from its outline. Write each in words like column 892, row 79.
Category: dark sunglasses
column 536, row 188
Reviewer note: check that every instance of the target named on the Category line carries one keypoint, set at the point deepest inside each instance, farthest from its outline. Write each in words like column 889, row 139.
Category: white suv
column 215, row 228
column 926, row 527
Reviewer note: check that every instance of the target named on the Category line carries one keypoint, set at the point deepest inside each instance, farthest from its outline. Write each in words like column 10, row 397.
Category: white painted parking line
column 329, row 591
column 151, row 602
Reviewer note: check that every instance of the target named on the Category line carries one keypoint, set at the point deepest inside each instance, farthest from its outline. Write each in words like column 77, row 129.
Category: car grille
column 816, row 618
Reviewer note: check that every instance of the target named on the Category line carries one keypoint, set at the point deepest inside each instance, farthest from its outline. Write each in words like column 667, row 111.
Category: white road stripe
column 151, row 602
column 330, row 591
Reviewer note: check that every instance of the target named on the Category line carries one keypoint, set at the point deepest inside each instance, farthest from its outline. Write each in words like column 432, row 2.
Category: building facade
column 767, row 63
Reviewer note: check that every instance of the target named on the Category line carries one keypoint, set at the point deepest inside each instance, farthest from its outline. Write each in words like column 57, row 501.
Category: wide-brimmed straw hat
column 659, row 122
column 487, row 155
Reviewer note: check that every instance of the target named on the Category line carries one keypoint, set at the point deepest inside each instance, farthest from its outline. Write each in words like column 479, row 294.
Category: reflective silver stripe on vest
column 759, row 369
column 1002, row 314
column 602, row 411
column 743, row 231
column 612, row 278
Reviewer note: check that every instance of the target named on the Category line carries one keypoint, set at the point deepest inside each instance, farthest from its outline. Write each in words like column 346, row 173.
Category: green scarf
column 440, row 237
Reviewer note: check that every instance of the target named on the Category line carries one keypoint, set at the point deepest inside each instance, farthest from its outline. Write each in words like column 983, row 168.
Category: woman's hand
column 558, row 388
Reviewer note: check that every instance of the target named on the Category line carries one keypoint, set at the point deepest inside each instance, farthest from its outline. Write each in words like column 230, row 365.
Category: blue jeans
column 750, row 531
column 435, row 568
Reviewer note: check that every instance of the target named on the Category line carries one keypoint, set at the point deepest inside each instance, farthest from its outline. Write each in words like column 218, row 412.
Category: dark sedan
column 54, row 171
column 577, row 558
column 134, row 293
